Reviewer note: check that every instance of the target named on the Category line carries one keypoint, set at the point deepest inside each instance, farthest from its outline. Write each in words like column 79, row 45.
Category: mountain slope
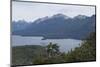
column 19, row 25
column 60, row 26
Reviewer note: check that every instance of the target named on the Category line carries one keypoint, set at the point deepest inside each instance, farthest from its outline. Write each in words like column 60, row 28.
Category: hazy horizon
column 24, row 11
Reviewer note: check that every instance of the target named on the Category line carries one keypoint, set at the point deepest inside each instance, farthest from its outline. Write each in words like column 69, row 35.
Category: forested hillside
column 58, row 26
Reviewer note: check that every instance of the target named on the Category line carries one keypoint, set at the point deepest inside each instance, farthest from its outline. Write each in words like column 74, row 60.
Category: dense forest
column 50, row 54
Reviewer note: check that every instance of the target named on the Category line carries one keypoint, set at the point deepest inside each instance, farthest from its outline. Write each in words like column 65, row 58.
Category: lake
column 65, row 44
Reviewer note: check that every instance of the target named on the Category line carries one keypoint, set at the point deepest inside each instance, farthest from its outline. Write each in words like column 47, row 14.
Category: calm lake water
column 65, row 44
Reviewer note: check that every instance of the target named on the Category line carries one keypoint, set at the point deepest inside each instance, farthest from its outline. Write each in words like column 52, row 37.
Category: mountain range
column 57, row 26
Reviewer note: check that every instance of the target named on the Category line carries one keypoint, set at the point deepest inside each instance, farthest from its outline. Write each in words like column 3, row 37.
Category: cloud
column 32, row 11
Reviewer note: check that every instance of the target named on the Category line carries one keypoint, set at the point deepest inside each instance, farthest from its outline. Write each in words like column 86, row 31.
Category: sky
column 31, row 11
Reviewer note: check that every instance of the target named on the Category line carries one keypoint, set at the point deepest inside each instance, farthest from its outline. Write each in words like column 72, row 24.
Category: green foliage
column 52, row 52
column 86, row 52
column 23, row 55
column 52, row 49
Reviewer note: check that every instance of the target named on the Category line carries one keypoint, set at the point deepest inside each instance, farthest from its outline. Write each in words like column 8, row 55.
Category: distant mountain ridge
column 19, row 25
column 57, row 26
